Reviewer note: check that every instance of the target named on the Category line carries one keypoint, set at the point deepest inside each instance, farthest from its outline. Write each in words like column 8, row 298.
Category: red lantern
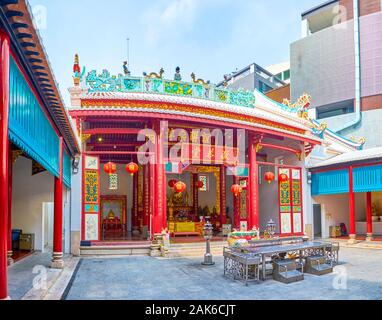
column 171, row 183
column 179, row 187
column 110, row 168
column 199, row 184
column 236, row 190
column 132, row 168
column 283, row 178
column 269, row 177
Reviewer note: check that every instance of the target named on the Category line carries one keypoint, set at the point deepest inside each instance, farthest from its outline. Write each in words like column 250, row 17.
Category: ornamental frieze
column 192, row 110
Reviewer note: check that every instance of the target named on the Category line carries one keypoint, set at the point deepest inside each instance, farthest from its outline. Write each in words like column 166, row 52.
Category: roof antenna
column 126, row 64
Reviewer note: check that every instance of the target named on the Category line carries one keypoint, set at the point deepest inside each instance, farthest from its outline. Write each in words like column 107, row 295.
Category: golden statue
column 111, row 215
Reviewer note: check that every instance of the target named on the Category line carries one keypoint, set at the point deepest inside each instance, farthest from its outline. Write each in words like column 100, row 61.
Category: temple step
column 116, row 250
column 195, row 249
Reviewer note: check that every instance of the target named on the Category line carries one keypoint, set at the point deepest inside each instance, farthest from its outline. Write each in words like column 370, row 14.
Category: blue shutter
column 29, row 127
column 367, row 179
column 331, row 182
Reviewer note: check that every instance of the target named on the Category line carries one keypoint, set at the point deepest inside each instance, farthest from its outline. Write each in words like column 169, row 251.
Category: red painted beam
column 111, row 153
column 111, row 131
column 118, row 144
column 278, row 147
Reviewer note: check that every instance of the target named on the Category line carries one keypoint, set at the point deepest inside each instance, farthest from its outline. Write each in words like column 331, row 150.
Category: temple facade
column 132, row 158
column 163, row 155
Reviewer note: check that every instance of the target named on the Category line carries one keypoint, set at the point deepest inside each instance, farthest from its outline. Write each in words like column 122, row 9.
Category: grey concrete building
column 338, row 61
column 252, row 77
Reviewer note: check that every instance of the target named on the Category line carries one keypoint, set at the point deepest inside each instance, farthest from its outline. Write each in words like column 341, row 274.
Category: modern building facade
column 338, row 61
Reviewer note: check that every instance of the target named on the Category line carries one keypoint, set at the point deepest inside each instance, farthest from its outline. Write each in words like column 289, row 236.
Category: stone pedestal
column 57, row 262
column 369, row 237
column 352, row 239
column 9, row 258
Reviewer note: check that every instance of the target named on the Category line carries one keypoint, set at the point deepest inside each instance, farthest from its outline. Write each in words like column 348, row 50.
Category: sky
column 208, row 37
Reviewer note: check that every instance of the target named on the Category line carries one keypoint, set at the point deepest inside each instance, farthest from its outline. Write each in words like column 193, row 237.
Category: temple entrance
column 204, row 198
column 116, row 205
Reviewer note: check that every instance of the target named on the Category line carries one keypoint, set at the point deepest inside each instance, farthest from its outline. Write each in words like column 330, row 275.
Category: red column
column 57, row 261
column 195, row 178
column 9, row 241
column 4, row 151
column 135, row 221
column 146, row 195
column 160, row 211
column 352, row 231
column 252, row 190
column 236, row 206
column 223, row 196
column 369, row 220
column 152, row 197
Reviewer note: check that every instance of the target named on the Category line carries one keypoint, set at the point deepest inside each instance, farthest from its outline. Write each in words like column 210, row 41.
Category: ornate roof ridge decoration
column 301, row 105
column 28, row 46
column 199, row 81
column 154, row 75
column 97, row 100
column 155, row 84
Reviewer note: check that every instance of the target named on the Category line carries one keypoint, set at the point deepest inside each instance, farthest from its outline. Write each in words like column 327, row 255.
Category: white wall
column 28, row 195
column 335, row 210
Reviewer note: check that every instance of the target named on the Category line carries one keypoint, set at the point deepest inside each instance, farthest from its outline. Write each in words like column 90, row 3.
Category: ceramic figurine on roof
column 199, row 81
column 154, row 75
column 177, row 76
column 77, row 75
column 126, row 70
column 301, row 105
column 225, row 83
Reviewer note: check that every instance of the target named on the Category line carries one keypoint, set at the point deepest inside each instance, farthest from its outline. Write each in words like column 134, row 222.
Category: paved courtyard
column 146, row 278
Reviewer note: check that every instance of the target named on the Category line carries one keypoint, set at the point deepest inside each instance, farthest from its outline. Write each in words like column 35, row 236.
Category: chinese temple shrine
column 234, row 157
column 135, row 157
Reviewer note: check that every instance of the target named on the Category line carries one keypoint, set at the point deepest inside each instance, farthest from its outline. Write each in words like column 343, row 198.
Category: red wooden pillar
column 223, row 196
column 195, row 178
column 236, row 205
column 152, row 197
column 57, row 262
column 146, row 195
column 352, row 229
column 9, row 241
column 369, row 220
column 135, row 221
column 4, row 158
column 160, row 211
column 253, row 219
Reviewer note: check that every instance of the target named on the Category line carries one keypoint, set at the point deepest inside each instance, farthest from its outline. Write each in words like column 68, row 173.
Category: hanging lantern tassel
column 113, row 182
column 132, row 168
column 236, row 190
column 180, row 187
column 269, row 177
